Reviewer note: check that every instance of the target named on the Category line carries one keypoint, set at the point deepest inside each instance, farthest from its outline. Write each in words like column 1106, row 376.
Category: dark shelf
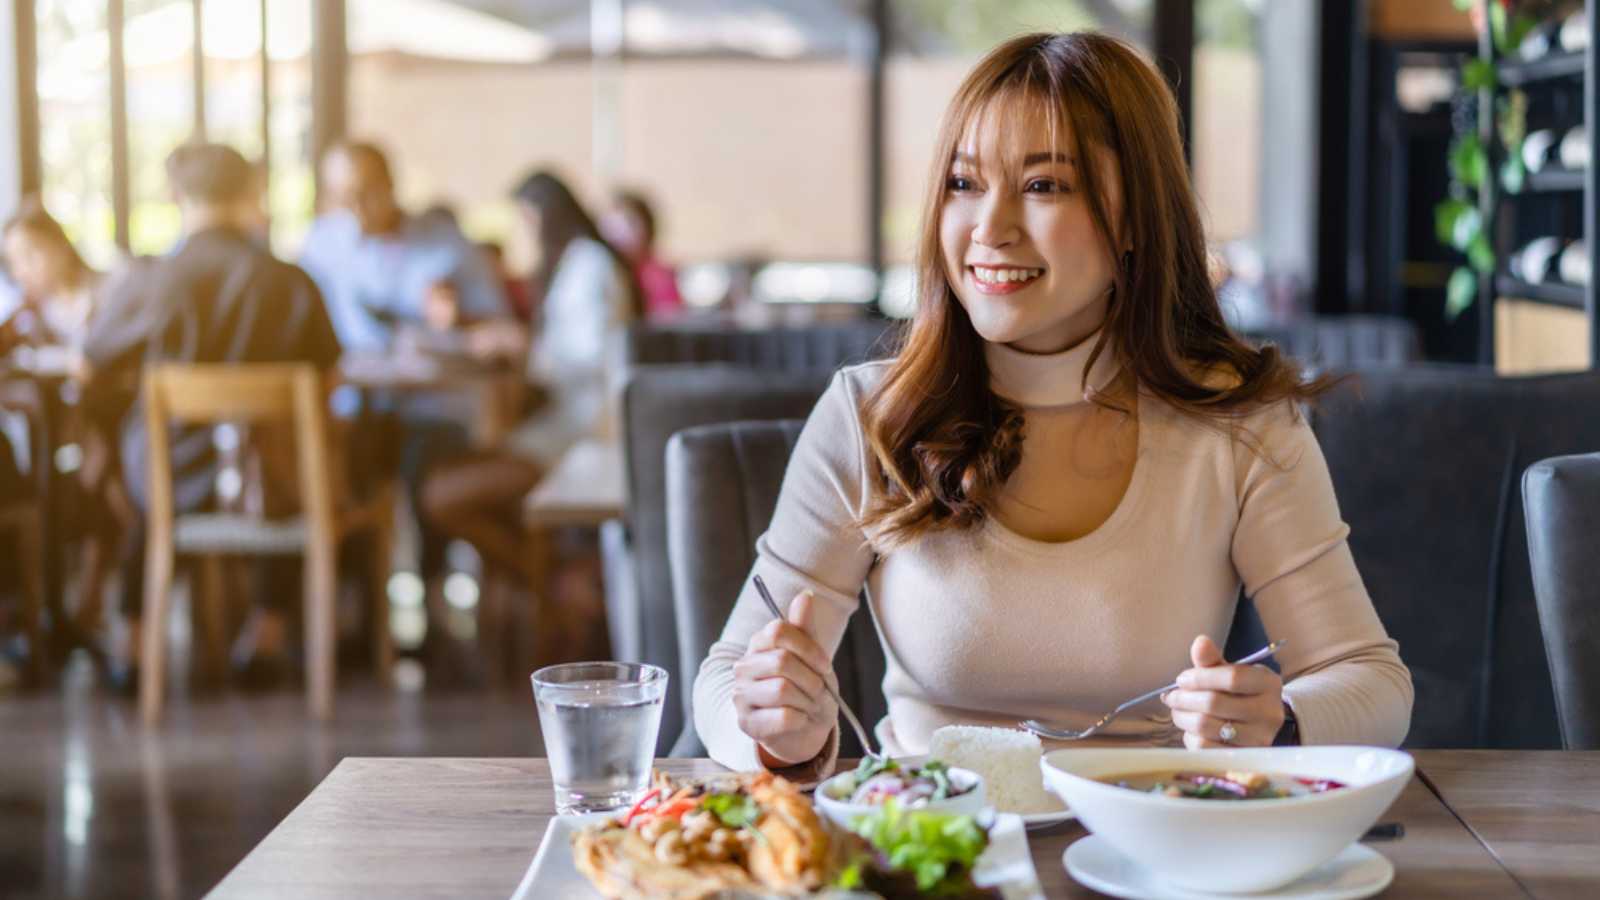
column 1556, row 293
column 1557, row 179
column 1556, row 65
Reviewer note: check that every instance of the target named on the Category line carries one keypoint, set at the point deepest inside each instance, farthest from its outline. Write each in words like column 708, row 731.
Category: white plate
column 1356, row 872
column 553, row 875
column 1034, row 821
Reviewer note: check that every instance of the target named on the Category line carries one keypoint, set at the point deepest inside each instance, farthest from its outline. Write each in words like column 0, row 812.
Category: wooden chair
column 21, row 526
column 258, row 394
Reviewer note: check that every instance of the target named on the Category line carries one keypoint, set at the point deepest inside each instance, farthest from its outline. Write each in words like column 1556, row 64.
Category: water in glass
column 600, row 722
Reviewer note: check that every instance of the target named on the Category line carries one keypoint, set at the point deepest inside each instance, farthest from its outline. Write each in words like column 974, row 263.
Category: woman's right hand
column 778, row 689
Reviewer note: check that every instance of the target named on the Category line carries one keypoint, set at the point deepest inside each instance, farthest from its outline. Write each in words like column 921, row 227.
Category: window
column 159, row 37
column 1226, row 133
column 74, row 84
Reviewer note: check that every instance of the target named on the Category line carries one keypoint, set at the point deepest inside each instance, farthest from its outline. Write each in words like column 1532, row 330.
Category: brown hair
column 210, row 173
column 33, row 218
column 945, row 443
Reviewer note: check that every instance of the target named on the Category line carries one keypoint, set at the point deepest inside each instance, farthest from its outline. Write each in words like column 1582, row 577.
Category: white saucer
column 1356, row 872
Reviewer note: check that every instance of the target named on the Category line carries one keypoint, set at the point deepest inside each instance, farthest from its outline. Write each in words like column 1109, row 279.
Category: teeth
column 1005, row 276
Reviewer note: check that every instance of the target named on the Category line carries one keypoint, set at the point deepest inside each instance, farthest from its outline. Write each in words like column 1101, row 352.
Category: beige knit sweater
column 987, row 626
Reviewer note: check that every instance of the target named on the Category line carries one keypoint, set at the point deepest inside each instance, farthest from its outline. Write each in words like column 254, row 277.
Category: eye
column 958, row 183
column 1044, row 186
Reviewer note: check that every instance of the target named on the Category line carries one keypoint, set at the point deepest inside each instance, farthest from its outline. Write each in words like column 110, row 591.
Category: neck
column 201, row 218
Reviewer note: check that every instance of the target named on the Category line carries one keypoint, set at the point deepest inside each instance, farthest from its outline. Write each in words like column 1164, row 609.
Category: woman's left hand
column 1213, row 694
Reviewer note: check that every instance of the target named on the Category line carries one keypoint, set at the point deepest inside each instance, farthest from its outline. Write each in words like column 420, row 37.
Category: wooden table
column 586, row 487
column 1538, row 812
column 496, row 391
column 469, row 828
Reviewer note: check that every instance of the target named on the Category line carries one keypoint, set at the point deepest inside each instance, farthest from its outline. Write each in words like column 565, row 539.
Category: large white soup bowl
column 1229, row 846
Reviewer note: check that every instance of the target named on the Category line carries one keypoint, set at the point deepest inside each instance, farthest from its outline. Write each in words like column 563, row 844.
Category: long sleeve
column 815, row 543
column 1342, row 673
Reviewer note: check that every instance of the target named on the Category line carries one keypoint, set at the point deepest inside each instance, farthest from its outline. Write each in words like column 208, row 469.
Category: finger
column 774, row 692
column 1223, row 706
column 779, row 664
column 1209, row 728
column 780, row 635
column 802, row 610
column 1232, row 679
column 1205, row 652
column 1195, row 742
column 775, row 722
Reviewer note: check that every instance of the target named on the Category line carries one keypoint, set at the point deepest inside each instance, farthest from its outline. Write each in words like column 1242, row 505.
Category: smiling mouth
column 1009, row 278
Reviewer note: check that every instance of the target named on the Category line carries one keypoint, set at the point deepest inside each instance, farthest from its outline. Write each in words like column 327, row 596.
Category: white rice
column 1007, row 759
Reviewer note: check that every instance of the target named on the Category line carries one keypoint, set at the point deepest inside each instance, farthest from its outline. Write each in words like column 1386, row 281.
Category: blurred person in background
column 53, row 281
column 217, row 297
column 388, row 274
column 380, row 267
column 630, row 226
column 586, row 294
column 516, row 287
column 59, row 299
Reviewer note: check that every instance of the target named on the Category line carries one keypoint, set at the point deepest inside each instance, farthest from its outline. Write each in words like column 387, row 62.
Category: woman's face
column 38, row 267
column 1020, row 247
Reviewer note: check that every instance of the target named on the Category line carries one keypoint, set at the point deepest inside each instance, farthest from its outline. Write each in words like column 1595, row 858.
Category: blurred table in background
column 495, row 393
column 585, row 488
column 35, row 382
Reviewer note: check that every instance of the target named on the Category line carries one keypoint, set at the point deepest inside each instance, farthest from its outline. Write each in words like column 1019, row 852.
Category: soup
column 1221, row 785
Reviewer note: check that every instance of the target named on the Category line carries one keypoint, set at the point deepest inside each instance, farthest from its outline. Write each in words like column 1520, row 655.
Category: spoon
column 849, row 714
column 1067, row 734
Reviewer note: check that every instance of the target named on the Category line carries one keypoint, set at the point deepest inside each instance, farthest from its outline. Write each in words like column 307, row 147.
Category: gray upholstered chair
column 1345, row 342
column 1562, row 496
column 722, row 486
column 1425, row 462
column 770, row 349
column 656, row 402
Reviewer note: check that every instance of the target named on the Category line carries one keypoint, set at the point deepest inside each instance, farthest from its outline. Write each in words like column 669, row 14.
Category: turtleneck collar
column 1049, row 379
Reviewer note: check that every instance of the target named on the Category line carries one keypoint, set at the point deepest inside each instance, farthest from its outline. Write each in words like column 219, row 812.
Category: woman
column 55, row 282
column 585, row 292
column 1056, row 489
column 630, row 226
column 59, row 301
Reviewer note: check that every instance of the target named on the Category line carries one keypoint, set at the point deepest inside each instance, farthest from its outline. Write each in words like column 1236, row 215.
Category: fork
column 1067, row 734
column 849, row 714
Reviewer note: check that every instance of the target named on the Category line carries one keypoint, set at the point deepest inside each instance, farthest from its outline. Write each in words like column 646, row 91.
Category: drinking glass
column 600, row 721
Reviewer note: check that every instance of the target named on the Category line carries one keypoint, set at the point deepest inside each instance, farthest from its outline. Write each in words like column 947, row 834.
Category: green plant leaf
column 1522, row 25
column 1477, row 74
column 1465, row 5
column 1512, row 174
column 1469, row 164
column 1459, row 293
column 1480, row 255
column 1444, row 219
column 1497, row 26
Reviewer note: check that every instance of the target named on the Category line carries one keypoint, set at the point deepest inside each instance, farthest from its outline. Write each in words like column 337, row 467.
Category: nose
column 996, row 225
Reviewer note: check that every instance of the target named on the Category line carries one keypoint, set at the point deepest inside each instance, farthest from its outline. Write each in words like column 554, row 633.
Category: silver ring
column 1227, row 733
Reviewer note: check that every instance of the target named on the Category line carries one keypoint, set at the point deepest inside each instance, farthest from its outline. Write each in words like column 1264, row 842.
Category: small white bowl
column 843, row 812
column 1229, row 846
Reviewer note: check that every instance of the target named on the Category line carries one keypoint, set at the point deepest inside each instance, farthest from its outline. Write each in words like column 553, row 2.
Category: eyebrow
column 1032, row 159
